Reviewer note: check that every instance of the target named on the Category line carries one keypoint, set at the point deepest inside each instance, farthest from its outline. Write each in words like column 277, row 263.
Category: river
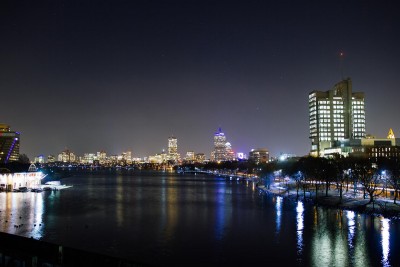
column 165, row 219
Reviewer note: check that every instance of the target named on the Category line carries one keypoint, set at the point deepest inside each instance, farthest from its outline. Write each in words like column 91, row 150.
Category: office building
column 259, row 155
column 190, row 156
column 222, row 149
column 173, row 149
column 67, row 156
column 9, row 144
column 372, row 148
column 200, row 157
column 335, row 115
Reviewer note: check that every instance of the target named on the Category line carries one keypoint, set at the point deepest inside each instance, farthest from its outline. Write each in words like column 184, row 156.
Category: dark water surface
column 166, row 219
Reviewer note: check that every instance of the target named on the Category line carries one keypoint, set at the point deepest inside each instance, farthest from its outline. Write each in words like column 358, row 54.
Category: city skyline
column 124, row 76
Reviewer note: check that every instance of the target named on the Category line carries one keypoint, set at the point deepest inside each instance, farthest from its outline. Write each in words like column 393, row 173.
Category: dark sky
column 118, row 75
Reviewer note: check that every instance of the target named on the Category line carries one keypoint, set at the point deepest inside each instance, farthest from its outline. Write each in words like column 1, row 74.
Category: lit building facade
column 39, row 159
column 335, row 115
column 259, row 155
column 67, row 156
column 200, row 157
column 9, row 144
column 173, row 149
column 222, row 149
column 372, row 148
column 51, row 158
column 189, row 156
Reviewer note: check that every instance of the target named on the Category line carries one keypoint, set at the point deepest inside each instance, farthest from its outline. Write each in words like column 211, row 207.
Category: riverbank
column 380, row 206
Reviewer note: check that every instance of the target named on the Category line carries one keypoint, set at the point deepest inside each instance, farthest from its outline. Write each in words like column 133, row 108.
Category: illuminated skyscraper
column 219, row 152
column 173, row 149
column 222, row 149
column 335, row 115
column 9, row 144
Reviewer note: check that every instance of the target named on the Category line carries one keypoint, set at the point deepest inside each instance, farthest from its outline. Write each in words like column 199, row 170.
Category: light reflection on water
column 300, row 227
column 385, row 241
column 278, row 213
column 161, row 219
column 329, row 244
column 22, row 213
column 351, row 226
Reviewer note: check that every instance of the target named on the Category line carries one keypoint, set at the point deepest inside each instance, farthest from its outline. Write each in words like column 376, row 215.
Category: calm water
column 167, row 219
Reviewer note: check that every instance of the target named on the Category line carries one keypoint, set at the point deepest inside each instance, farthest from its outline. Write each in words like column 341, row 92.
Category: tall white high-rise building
column 335, row 115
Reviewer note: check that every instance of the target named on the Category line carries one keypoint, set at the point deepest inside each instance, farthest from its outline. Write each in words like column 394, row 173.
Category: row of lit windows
column 325, row 134
column 338, row 138
column 338, row 102
column 385, row 155
column 338, row 107
column 358, row 102
column 324, row 107
column 387, row 149
column 324, row 116
column 357, row 107
column 359, row 116
column 324, row 125
column 358, row 111
column 324, row 139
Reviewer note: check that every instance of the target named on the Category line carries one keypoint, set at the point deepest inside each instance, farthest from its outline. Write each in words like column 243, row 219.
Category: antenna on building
column 341, row 58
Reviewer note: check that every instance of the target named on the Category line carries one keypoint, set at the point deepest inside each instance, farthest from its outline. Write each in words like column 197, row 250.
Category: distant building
column 335, row 115
column 259, row 155
column 372, row 148
column 51, row 159
column 241, row 156
column 189, row 156
column 9, row 144
column 39, row 159
column 67, row 156
column 200, row 157
column 222, row 149
column 173, row 149
column 88, row 158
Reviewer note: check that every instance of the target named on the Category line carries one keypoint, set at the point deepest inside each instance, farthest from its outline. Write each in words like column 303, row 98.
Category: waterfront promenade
column 350, row 201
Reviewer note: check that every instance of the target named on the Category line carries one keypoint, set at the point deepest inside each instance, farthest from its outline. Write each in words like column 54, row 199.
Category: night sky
column 125, row 75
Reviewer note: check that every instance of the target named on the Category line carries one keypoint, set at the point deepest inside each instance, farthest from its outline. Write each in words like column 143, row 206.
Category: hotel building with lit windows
column 335, row 115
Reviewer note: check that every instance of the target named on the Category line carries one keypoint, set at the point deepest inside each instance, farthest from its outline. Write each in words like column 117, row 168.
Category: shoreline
column 380, row 207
